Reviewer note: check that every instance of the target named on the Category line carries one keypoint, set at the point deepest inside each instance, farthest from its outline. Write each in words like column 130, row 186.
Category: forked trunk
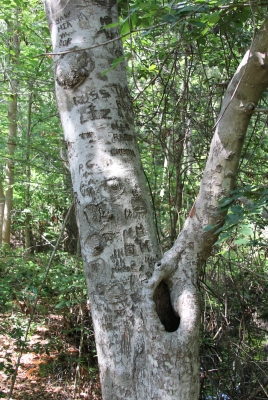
column 140, row 357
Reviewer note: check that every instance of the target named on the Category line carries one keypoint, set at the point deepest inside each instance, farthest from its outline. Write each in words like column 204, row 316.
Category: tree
column 12, row 133
column 145, row 306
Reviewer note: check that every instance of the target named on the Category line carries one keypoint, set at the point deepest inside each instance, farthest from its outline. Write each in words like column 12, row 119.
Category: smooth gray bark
column 140, row 357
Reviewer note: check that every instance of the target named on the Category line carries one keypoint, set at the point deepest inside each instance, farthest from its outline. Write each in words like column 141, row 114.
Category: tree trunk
column 2, row 206
column 12, row 134
column 140, row 357
column 28, row 231
column 9, row 170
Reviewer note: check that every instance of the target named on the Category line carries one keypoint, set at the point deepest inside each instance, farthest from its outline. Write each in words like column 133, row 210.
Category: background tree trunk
column 11, row 141
column 139, row 356
column 28, row 232
column 9, row 169
column 2, row 206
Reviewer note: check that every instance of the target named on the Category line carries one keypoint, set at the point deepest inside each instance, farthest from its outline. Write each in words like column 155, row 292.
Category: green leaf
column 246, row 230
column 152, row 67
column 60, row 304
column 170, row 18
column 232, row 218
column 242, row 241
column 112, row 25
column 222, row 238
column 209, row 228
column 221, row 229
column 116, row 62
column 225, row 202
column 196, row 22
column 125, row 28
column 213, row 19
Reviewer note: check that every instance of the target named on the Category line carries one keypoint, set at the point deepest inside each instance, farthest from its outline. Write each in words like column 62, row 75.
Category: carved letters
column 124, row 102
column 97, row 242
column 99, row 215
column 85, row 97
column 128, row 213
column 138, row 204
column 86, row 135
column 104, row 200
column 120, row 126
column 104, row 94
column 123, row 152
column 134, row 237
column 118, row 259
column 64, row 26
column 109, row 33
column 62, row 18
column 91, row 113
column 123, row 137
column 86, row 189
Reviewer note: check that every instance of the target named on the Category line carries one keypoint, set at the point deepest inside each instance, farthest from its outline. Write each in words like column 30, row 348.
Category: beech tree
column 145, row 305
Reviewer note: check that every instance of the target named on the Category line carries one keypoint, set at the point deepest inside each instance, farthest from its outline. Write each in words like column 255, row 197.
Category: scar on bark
column 164, row 308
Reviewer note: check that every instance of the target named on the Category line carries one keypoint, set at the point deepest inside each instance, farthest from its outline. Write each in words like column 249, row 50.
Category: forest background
column 180, row 57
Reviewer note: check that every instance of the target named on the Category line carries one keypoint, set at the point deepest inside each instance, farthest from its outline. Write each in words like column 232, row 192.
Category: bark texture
column 146, row 348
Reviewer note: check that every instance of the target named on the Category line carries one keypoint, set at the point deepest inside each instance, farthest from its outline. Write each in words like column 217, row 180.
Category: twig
column 260, row 110
column 100, row 44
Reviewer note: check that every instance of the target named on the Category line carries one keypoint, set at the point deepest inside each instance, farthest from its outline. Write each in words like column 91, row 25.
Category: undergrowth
column 60, row 342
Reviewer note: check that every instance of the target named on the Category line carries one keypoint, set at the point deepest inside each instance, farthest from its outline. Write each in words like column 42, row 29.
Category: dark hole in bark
column 164, row 308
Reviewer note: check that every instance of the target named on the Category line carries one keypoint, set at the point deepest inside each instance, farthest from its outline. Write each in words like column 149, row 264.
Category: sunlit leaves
column 246, row 217
column 116, row 62
column 202, row 15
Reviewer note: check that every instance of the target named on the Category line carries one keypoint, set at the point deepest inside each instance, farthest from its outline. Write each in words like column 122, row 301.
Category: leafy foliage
column 62, row 312
column 246, row 217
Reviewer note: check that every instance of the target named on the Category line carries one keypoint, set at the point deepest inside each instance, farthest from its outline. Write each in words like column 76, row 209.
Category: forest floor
column 50, row 366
